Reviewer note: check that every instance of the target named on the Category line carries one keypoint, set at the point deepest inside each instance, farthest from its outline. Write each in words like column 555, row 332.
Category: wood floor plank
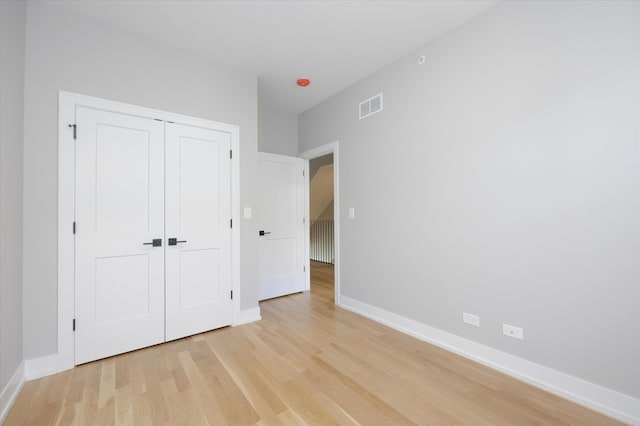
column 263, row 398
column 361, row 404
column 307, row 362
column 141, row 409
column 302, row 400
column 124, row 409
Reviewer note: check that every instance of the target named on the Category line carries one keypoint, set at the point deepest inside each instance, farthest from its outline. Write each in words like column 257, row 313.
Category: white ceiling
column 335, row 43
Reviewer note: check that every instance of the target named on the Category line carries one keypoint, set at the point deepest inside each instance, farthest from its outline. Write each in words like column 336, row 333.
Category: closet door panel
column 119, row 303
column 198, row 253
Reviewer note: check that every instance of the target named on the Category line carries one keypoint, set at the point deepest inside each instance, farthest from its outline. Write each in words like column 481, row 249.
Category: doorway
column 321, row 224
column 322, row 195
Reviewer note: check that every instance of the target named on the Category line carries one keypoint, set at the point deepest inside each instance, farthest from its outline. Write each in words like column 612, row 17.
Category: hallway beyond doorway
column 322, row 279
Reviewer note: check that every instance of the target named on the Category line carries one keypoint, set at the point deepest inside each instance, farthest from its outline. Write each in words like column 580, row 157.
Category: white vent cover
column 371, row 106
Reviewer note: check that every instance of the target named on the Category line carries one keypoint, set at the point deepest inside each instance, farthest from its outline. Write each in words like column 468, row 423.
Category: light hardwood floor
column 307, row 361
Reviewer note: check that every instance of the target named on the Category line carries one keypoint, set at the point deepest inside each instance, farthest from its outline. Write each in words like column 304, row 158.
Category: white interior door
column 281, row 248
column 198, row 230
column 119, row 293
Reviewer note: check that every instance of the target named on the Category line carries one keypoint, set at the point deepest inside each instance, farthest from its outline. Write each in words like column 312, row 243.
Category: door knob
column 263, row 233
column 156, row 242
column 175, row 241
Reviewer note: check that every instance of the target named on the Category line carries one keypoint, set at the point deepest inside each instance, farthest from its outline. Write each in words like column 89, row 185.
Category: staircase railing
column 321, row 247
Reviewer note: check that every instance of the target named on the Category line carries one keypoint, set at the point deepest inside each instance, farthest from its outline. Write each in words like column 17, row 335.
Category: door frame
column 330, row 148
column 67, row 103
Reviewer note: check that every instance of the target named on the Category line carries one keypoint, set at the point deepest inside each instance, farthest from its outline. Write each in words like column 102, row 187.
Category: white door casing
column 198, row 215
column 281, row 250
column 70, row 106
column 120, row 205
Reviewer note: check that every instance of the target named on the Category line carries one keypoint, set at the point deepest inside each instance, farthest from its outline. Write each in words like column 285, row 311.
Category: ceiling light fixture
column 303, row 82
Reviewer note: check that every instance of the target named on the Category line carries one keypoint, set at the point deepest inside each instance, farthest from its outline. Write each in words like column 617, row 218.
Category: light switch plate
column 247, row 212
column 352, row 213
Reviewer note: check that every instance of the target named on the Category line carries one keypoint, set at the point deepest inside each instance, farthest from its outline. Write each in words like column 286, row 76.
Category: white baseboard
column 10, row 392
column 599, row 398
column 248, row 315
column 40, row 367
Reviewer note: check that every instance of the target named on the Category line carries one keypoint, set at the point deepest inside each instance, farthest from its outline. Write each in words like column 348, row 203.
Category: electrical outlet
column 471, row 319
column 512, row 331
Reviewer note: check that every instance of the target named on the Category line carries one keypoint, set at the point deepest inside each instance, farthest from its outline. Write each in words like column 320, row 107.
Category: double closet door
column 153, row 237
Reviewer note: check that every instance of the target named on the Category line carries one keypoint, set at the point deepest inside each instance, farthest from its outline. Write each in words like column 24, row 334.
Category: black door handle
column 263, row 233
column 175, row 241
column 156, row 242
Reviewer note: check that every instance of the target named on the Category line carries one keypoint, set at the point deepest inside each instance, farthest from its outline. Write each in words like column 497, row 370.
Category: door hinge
column 231, row 294
column 74, row 227
column 303, row 220
column 303, row 173
column 74, row 324
column 304, row 269
column 230, row 223
column 74, row 130
column 230, row 153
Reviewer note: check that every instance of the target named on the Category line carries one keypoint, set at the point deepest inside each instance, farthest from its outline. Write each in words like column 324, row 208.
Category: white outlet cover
column 513, row 331
column 471, row 319
column 247, row 212
column 352, row 213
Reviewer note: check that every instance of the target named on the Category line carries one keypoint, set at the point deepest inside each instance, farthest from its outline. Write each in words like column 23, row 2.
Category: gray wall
column 72, row 53
column 503, row 179
column 277, row 131
column 12, row 35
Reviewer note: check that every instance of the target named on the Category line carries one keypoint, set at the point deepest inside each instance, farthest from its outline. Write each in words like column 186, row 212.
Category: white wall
column 12, row 45
column 511, row 185
column 71, row 53
column 277, row 131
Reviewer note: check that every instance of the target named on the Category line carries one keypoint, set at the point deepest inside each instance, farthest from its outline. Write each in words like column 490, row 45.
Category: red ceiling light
column 303, row 82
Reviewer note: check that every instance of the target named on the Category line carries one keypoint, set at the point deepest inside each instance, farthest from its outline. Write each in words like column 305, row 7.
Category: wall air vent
column 371, row 106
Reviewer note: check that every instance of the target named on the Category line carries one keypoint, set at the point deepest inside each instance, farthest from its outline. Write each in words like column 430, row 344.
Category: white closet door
column 198, row 214
column 281, row 239
column 119, row 292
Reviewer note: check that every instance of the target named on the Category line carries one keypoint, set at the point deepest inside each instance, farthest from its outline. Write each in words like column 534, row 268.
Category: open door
column 281, row 246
